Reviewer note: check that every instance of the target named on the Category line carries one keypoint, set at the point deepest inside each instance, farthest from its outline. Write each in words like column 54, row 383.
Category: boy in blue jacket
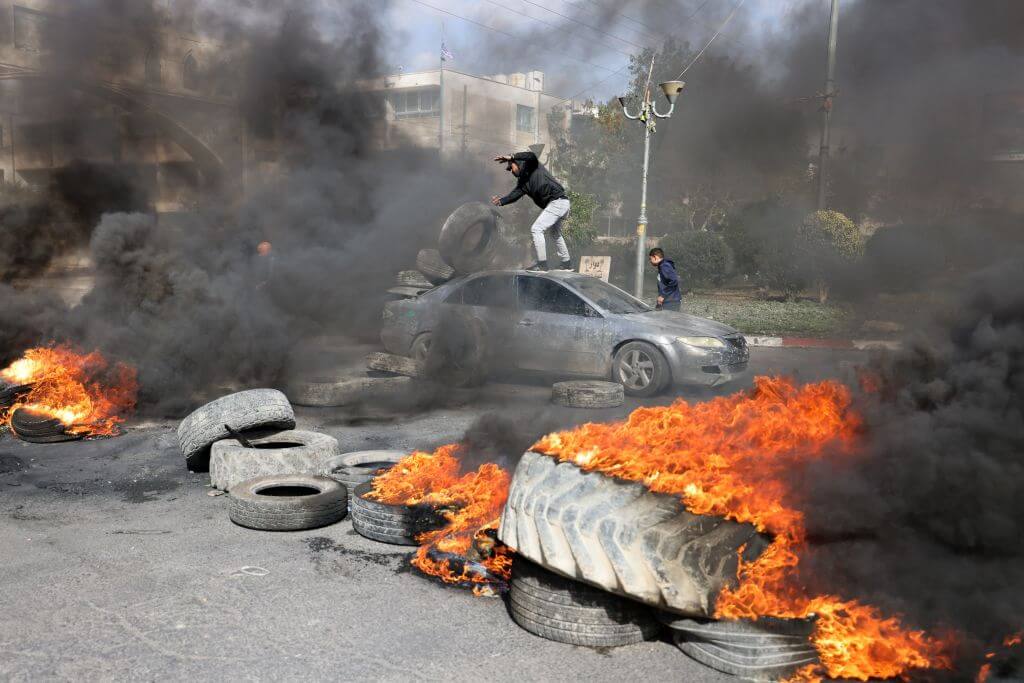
column 669, row 297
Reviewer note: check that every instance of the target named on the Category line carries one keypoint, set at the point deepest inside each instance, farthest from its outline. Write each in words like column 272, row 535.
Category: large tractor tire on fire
column 567, row 611
column 289, row 502
column 768, row 649
column 384, row 522
column 475, row 237
column 358, row 468
column 433, row 267
column 289, row 452
column 246, row 411
column 587, row 394
column 620, row 536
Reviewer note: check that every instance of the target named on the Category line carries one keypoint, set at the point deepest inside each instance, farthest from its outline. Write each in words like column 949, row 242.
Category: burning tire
column 359, row 467
column 621, row 537
column 396, row 365
column 768, row 649
column 588, row 394
column 244, row 411
column 334, row 393
column 560, row 609
column 35, row 428
column 289, row 452
column 9, row 395
column 395, row 524
column 412, row 278
column 433, row 267
column 475, row 237
column 290, row 502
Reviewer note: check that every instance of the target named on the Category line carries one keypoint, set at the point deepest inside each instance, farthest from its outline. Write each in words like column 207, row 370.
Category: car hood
column 682, row 324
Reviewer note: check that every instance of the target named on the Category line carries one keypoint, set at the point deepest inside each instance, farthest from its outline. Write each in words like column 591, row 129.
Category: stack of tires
column 273, row 473
column 600, row 559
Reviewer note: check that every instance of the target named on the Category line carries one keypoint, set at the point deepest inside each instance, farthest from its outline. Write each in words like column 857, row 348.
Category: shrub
column 579, row 228
column 700, row 258
column 827, row 243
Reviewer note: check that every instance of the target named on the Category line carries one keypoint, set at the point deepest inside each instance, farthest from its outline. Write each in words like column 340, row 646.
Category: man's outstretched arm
column 513, row 196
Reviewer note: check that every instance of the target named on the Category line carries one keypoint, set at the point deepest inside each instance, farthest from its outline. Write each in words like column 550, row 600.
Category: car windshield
column 611, row 299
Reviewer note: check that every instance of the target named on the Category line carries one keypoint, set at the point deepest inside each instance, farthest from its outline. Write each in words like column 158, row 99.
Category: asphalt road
column 116, row 564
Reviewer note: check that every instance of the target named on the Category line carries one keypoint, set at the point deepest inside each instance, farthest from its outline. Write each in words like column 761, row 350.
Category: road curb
column 811, row 343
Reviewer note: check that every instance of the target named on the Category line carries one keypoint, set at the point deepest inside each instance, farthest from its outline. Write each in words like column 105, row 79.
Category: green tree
column 579, row 224
column 827, row 241
column 699, row 257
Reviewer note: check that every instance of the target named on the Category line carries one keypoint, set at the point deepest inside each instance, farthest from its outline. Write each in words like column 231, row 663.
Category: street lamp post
column 647, row 115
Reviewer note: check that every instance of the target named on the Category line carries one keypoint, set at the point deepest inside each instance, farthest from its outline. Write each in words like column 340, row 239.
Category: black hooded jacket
column 534, row 181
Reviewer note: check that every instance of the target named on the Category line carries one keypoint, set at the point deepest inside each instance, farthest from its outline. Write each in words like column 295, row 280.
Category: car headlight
column 702, row 342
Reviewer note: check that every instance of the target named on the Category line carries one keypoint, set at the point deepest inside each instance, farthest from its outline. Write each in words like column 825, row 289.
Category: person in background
column 533, row 180
column 669, row 296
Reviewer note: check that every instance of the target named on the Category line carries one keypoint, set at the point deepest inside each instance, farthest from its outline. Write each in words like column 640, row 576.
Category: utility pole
column 826, row 105
column 648, row 115
column 440, row 101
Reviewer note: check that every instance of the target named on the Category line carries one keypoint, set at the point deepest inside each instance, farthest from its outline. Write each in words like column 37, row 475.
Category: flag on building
column 446, row 55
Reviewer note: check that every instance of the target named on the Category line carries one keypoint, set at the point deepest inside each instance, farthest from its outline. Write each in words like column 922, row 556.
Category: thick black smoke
column 928, row 520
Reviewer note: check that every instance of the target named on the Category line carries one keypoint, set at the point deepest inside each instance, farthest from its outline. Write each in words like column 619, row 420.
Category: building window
column 190, row 73
column 524, row 119
column 153, row 75
column 416, row 103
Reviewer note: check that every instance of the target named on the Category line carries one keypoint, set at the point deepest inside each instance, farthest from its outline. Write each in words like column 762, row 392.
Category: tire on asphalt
column 396, row 365
column 621, row 537
column 359, row 467
column 34, row 427
column 287, row 502
column 588, row 394
column 289, row 452
column 412, row 278
column 433, row 267
column 768, row 649
column 255, row 409
column 567, row 611
column 384, row 522
column 647, row 374
column 475, row 237
column 344, row 392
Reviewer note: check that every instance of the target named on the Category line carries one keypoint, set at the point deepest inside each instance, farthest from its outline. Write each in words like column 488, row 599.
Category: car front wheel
column 640, row 369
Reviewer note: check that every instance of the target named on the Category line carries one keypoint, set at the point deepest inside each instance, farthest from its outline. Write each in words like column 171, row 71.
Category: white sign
column 596, row 266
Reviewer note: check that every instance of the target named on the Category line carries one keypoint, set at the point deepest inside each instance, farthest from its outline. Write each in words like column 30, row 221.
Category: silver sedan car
column 571, row 325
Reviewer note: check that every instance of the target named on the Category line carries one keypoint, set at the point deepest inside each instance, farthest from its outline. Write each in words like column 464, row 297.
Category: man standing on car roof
column 535, row 181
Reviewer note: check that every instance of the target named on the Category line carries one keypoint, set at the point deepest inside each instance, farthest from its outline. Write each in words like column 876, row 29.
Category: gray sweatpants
column 551, row 219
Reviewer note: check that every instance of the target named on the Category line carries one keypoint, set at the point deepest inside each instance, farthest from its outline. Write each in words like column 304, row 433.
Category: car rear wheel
column 640, row 369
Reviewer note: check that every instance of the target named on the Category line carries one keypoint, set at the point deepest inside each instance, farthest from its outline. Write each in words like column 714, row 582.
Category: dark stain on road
column 321, row 545
column 10, row 463
column 145, row 490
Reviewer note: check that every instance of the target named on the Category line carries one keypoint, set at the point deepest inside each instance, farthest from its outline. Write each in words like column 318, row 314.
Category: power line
column 720, row 29
column 577, row 21
column 546, row 23
column 510, row 35
column 657, row 35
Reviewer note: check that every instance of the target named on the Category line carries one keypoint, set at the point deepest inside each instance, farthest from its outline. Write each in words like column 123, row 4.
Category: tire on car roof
column 255, row 409
column 288, row 502
column 621, row 537
column 288, row 452
column 475, row 237
column 560, row 609
column 433, row 267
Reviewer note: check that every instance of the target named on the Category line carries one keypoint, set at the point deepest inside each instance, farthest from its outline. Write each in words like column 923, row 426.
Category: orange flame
column 469, row 503
column 729, row 457
column 83, row 391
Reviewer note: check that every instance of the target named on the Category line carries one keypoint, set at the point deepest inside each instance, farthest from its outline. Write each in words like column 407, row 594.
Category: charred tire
column 253, row 504
column 412, row 278
column 246, row 410
column 768, row 649
column 474, row 238
column 641, row 369
column 588, row 394
column 384, row 522
column 396, row 365
column 300, row 452
column 36, row 428
column 433, row 267
column 621, row 537
column 355, row 469
column 333, row 393
column 567, row 611
column 10, row 395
